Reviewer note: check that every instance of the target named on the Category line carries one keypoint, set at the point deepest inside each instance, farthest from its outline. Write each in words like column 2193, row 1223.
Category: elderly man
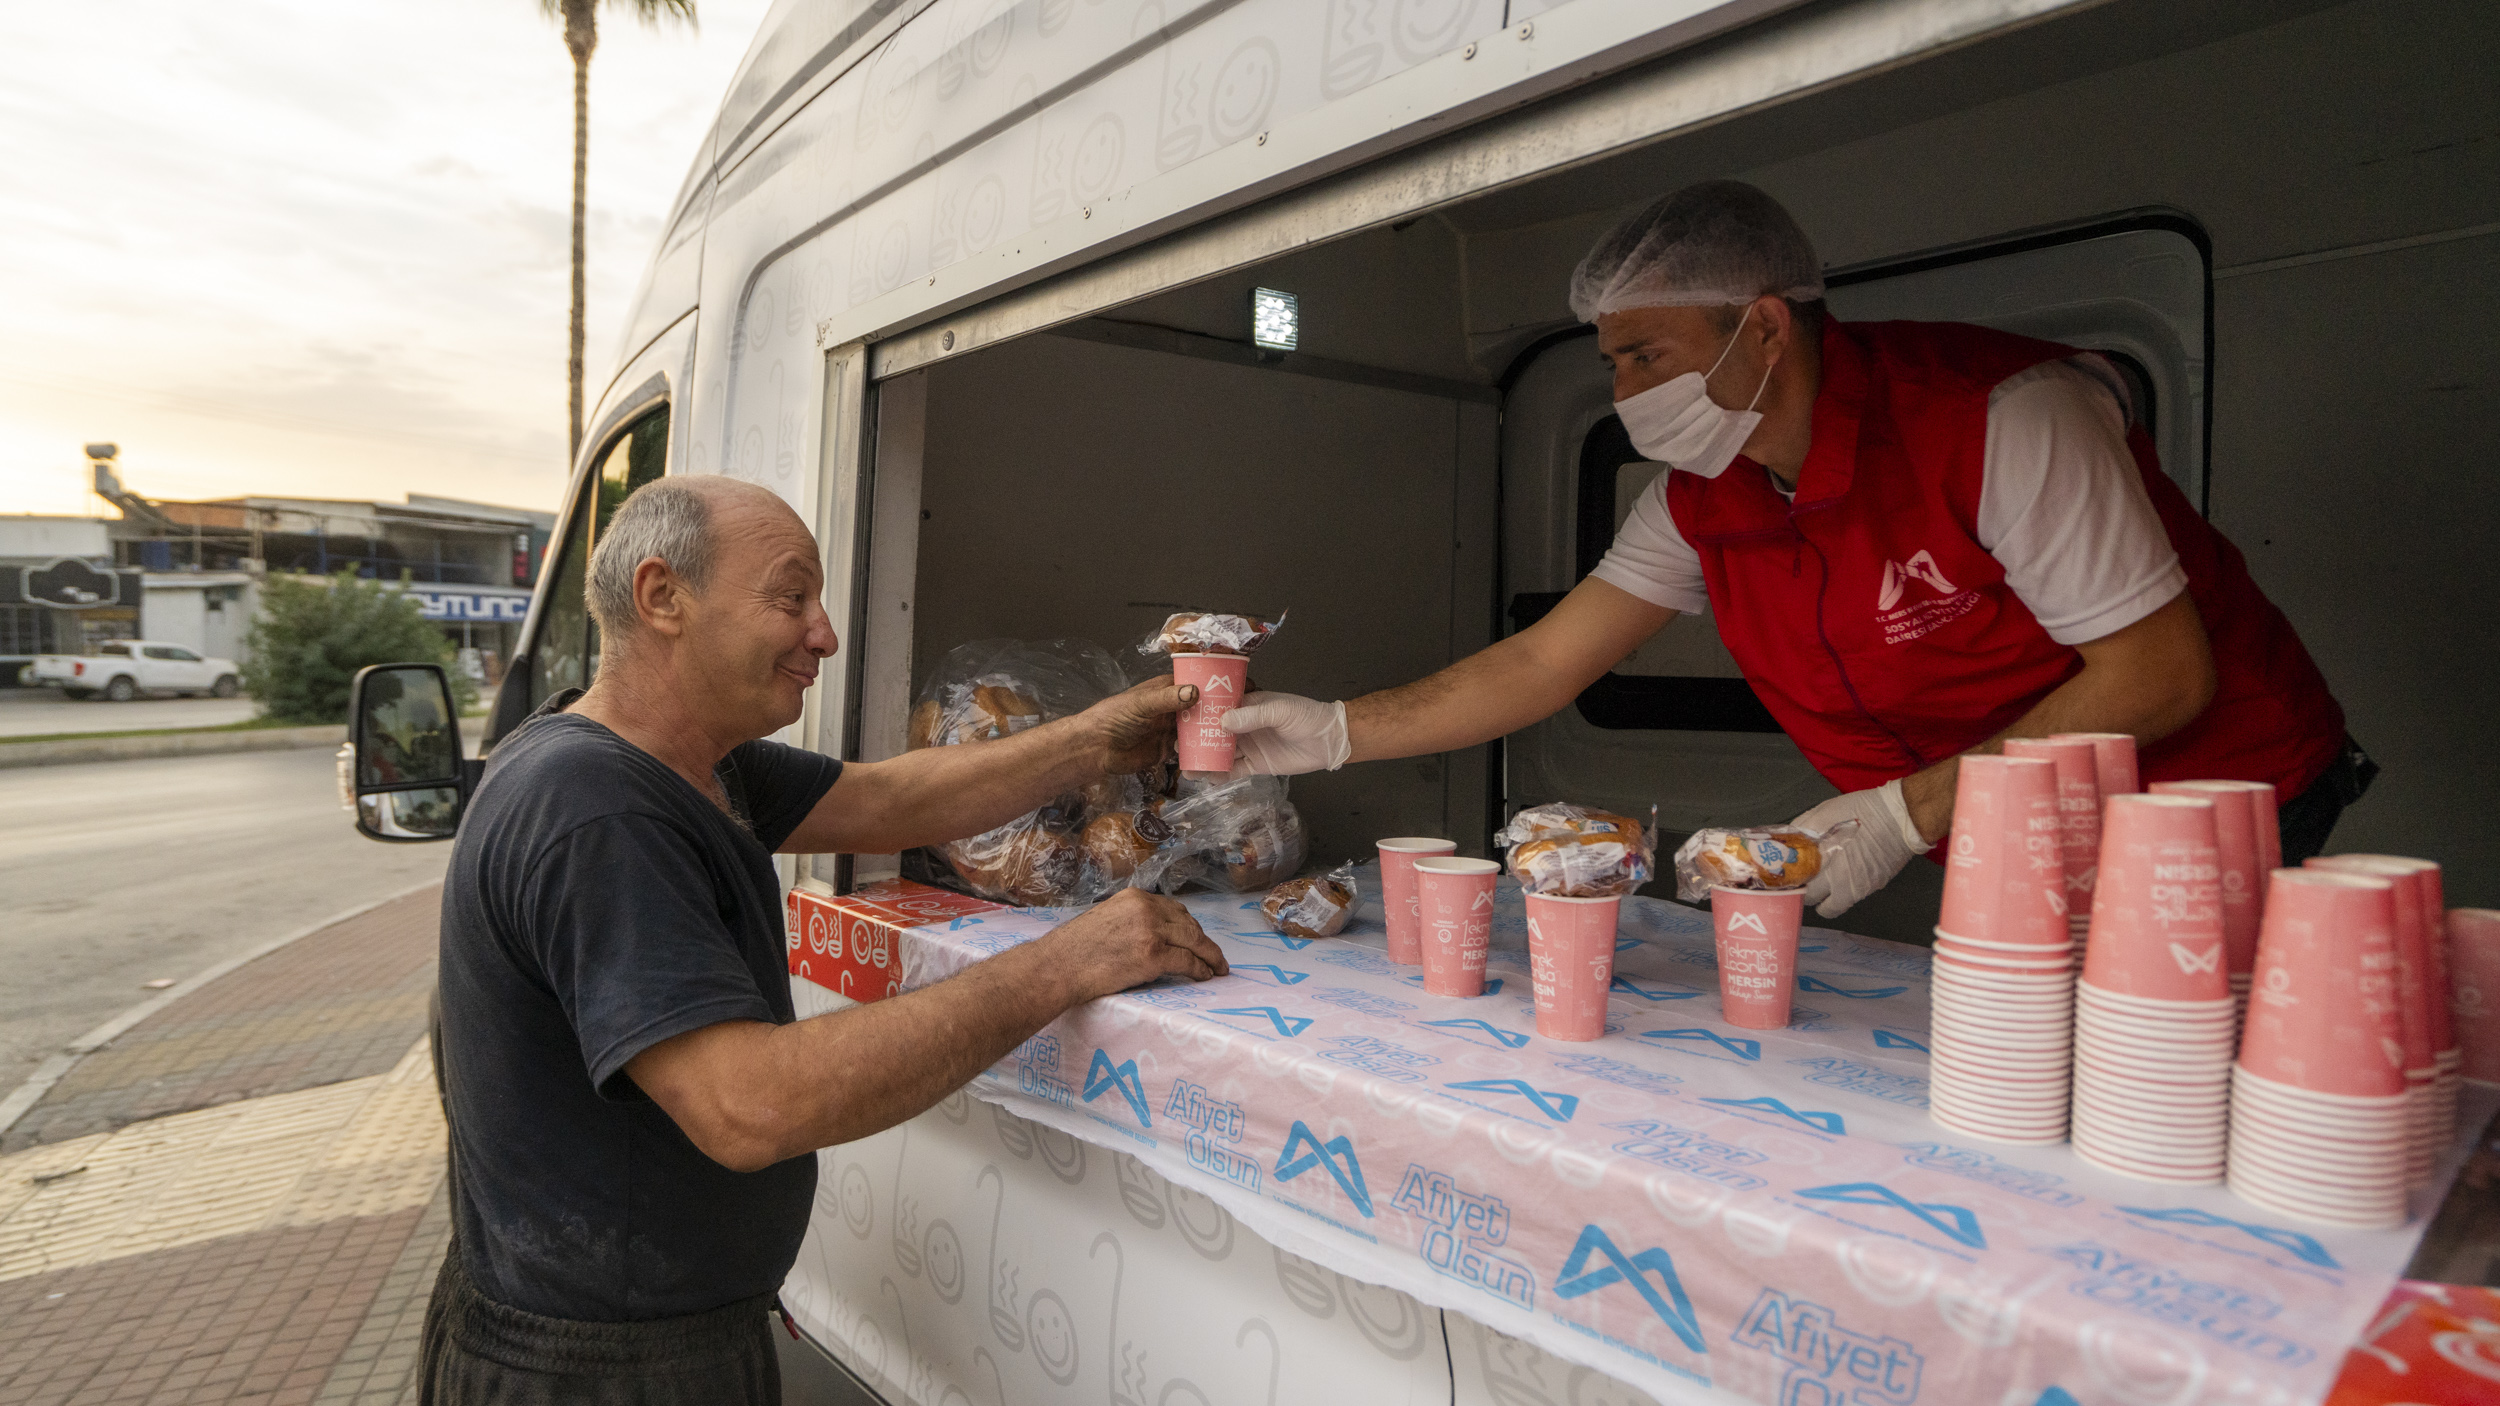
column 632, row 1102
column 1919, row 539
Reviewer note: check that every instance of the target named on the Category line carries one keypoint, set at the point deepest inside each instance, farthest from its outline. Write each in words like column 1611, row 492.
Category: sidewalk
column 241, row 1197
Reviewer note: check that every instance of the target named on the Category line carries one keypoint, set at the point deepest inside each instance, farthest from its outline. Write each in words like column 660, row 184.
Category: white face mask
column 1678, row 424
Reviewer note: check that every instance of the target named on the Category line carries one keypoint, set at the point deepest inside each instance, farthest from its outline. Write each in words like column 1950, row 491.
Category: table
column 1692, row 1208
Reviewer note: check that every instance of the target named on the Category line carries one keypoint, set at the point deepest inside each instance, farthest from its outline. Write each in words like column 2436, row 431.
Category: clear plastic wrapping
column 1318, row 906
column 1079, row 847
column 1237, row 836
column 1209, row 632
column 1576, row 851
column 1761, row 857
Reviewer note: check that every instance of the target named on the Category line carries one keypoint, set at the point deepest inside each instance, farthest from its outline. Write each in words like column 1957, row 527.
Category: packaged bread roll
column 1759, row 857
column 1209, row 632
column 1319, row 906
column 1118, row 841
column 1575, row 851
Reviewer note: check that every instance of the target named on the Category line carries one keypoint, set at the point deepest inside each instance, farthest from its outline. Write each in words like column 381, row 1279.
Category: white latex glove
column 1885, row 840
column 1279, row 734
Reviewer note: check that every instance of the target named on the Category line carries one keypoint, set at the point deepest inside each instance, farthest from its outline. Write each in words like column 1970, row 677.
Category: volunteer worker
column 1918, row 538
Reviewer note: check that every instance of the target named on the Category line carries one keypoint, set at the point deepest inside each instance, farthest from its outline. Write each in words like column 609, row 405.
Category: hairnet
column 1719, row 243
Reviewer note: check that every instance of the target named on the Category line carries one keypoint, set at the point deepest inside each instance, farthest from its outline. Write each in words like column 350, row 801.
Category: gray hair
column 668, row 518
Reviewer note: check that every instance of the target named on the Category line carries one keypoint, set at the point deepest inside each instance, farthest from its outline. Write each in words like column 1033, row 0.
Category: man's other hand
column 1279, row 734
column 1136, row 727
column 1129, row 939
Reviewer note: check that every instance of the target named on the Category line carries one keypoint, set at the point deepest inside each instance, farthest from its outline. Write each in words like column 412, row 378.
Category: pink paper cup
column 1757, row 941
column 2322, row 1011
column 1398, row 901
column 1220, row 680
column 2157, row 906
column 1571, row 963
column 1456, row 896
column 2113, row 755
column 2244, row 824
column 2005, row 868
column 2474, row 974
column 2078, row 809
column 2416, row 912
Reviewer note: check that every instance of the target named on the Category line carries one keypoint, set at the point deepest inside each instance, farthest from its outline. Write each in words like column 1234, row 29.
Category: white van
column 970, row 283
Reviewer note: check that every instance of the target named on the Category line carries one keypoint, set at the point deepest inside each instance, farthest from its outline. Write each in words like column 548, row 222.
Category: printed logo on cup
column 2191, row 962
column 1748, row 922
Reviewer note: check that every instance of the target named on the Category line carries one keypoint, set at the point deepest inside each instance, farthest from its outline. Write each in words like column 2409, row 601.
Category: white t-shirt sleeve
column 2063, row 508
column 1652, row 560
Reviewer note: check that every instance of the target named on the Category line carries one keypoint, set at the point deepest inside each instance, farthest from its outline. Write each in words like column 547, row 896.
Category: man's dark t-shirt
column 598, row 904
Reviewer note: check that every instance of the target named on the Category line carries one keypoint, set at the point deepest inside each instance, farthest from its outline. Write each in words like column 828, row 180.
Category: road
column 34, row 712
column 113, row 873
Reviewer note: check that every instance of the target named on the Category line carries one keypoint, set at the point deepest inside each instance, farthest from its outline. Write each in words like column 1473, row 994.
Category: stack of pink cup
column 2431, row 1061
column 2078, row 815
column 2251, row 846
column 2318, row 1106
column 2155, row 1024
column 2474, row 995
column 2113, row 756
column 2003, row 1034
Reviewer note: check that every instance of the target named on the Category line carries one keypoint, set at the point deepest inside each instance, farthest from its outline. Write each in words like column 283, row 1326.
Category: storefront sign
column 471, row 604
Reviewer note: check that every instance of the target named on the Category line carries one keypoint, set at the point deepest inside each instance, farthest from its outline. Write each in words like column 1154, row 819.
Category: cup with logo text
column 1220, row 680
column 1571, row 963
column 1398, row 902
column 2114, row 753
column 2157, row 905
column 2250, row 847
column 1757, row 939
column 1456, row 898
column 2005, row 866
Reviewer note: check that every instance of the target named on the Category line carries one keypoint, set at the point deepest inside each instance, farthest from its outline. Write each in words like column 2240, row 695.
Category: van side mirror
column 410, row 780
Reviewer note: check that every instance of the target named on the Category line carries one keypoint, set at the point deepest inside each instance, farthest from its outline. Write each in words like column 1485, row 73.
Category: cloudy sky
column 318, row 247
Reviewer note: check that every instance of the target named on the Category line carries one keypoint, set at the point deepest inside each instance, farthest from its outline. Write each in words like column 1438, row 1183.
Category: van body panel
column 900, row 194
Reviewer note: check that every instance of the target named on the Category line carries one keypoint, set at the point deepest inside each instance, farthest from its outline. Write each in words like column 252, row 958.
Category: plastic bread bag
column 1576, row 851
column 1760, row 857
column 1080, row 846
column 994, row 688
column 1237, row 836
column 1208, row 632
column 1319, row 906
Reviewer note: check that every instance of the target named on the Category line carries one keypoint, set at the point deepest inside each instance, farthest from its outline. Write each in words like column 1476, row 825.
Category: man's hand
column 1279, row 734
column 1129, row 939
column 1136, row 727
column 1883, row 840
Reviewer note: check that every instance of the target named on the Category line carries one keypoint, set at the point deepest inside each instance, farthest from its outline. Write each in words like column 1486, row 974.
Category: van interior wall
column 1080, row 490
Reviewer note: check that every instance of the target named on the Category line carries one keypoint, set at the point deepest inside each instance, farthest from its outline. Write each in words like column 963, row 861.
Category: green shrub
column 311, row 637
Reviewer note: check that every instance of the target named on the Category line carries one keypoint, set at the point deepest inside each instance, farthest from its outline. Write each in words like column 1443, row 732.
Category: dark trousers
column 2309, row 818
column 478, row 1351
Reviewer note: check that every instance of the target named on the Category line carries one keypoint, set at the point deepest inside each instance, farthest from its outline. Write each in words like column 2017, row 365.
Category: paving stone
column 343, row 1003
column 207, row 1322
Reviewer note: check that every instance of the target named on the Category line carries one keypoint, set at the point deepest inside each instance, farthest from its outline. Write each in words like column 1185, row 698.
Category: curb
column 191, row 744
column 172, row 744
column 28, row 1093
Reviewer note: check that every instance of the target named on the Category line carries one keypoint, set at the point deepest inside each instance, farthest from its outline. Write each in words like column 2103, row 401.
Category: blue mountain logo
column 1102, row 1077
column 1509, row 1039
column 1336, row 1154
column 1287, row 1026
column 1651, row 1272
column 1812, row 1118
column 1558, row 1107
column 1953, row 1222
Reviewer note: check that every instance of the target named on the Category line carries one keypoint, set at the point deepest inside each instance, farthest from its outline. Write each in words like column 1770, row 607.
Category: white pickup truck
column 121, row 670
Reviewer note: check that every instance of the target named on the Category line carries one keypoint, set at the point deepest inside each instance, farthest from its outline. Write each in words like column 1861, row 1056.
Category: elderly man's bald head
column 681, row 521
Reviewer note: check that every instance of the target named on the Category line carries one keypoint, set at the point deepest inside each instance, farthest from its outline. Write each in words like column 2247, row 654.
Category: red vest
column 1883, row 636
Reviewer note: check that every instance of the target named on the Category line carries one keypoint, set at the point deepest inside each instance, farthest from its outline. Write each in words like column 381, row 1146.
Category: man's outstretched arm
column 1492, row 693
column 750, row 1093
column 938, row 794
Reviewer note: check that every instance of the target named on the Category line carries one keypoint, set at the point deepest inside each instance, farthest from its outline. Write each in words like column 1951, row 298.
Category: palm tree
column 581, row 35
